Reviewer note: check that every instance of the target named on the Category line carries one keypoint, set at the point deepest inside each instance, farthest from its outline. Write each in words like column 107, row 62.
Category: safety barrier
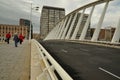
column 51, row 69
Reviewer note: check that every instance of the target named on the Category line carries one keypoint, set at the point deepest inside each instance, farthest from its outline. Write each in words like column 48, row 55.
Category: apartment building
column 49, row 17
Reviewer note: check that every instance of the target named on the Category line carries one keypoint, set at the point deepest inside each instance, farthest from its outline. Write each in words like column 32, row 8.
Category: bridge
column 63, row 55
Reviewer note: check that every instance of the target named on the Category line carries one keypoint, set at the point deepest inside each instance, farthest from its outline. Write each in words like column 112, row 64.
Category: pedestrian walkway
column 15, row 61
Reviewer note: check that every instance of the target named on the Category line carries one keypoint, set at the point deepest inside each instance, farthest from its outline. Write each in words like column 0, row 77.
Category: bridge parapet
column 71, row 28
column 50, row 69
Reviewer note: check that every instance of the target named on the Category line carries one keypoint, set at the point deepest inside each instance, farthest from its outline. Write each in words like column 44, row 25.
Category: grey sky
column 12, row 10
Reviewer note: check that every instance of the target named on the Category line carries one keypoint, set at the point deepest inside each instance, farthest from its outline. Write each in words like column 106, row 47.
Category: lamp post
column 30, row 29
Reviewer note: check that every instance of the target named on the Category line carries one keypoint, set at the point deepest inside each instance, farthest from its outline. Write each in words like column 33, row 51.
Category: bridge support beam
column 78, row 25
column 116, row 36
column 84, row 31
column 66, row 28
column 63, row 27
column 97, row 30
column 71, row 26
column 58, row 30
column 51, row 34
column 60, row 27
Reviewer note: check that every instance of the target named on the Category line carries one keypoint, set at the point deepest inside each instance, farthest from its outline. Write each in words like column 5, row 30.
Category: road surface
column 85, row 61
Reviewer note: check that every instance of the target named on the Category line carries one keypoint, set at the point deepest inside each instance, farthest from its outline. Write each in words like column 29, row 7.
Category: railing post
column 97, row 30
column 78, row 25
column 71, row 26
column 116, row 36
column 66, row 28
column 84, row 31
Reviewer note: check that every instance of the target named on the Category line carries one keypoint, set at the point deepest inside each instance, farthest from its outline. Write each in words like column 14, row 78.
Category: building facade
column 106, row 34
column 4, row 29
column 25, row 22
column 49, row 17
column 36, row 36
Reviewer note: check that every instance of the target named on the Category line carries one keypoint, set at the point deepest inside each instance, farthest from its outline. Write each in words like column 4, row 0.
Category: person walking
column 21, row 37
column 16, row 39
column 8, row 36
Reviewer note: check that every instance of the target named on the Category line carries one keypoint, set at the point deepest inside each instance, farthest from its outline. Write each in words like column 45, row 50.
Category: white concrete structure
column 78, row 25
column 97, row 30
column 84, row 31
column 70, row 27
column 41, row 69
column 116, row 36
column 66, row 28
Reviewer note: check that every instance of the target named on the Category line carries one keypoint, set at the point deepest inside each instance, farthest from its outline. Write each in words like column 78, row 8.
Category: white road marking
column 84, row 50
column 64, row 50
column 109, row 73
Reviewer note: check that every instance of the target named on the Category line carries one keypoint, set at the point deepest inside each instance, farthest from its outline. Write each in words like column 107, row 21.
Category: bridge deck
column 14, row 61
column 85, row 61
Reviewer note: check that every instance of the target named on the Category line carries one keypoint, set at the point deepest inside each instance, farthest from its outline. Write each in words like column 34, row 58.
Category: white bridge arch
column 68, row 28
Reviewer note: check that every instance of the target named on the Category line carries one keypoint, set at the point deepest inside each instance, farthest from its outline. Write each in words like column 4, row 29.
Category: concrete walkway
column 15, row 61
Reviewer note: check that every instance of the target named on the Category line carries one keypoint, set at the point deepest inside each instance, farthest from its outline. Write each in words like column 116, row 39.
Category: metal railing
column 51, row 67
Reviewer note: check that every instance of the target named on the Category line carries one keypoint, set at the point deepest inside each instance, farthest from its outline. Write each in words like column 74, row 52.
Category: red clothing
column 21, row 37
column 8, row 35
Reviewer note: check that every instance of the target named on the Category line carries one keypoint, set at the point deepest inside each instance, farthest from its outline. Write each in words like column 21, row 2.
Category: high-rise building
column 49, row 17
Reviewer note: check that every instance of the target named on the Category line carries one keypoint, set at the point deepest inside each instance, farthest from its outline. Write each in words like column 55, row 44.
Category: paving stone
column 14, row 61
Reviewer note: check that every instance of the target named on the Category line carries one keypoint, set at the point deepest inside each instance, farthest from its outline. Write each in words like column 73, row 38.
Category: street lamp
column 30, row 30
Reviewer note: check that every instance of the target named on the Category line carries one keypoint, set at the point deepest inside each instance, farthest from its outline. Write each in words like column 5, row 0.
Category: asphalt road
column 84, row 61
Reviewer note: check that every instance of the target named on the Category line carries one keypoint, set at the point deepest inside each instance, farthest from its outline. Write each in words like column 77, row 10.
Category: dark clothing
column 21, row 41
column 7, row 40
column 16, row 39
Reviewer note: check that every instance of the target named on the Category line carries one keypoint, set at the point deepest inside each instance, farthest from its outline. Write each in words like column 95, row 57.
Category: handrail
column 50, row 63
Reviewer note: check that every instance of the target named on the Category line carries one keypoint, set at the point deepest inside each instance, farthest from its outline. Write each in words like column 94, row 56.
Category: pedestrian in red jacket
column 8, row 36
column 21, row 37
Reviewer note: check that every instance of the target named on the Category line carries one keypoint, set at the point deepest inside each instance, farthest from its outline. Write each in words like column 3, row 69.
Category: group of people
column 16, row 38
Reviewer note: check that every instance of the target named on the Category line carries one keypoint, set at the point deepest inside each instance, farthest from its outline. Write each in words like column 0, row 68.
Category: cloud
column 12, row 10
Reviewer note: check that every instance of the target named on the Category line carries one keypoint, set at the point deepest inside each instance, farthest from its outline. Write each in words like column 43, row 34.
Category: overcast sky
column 12, row 10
